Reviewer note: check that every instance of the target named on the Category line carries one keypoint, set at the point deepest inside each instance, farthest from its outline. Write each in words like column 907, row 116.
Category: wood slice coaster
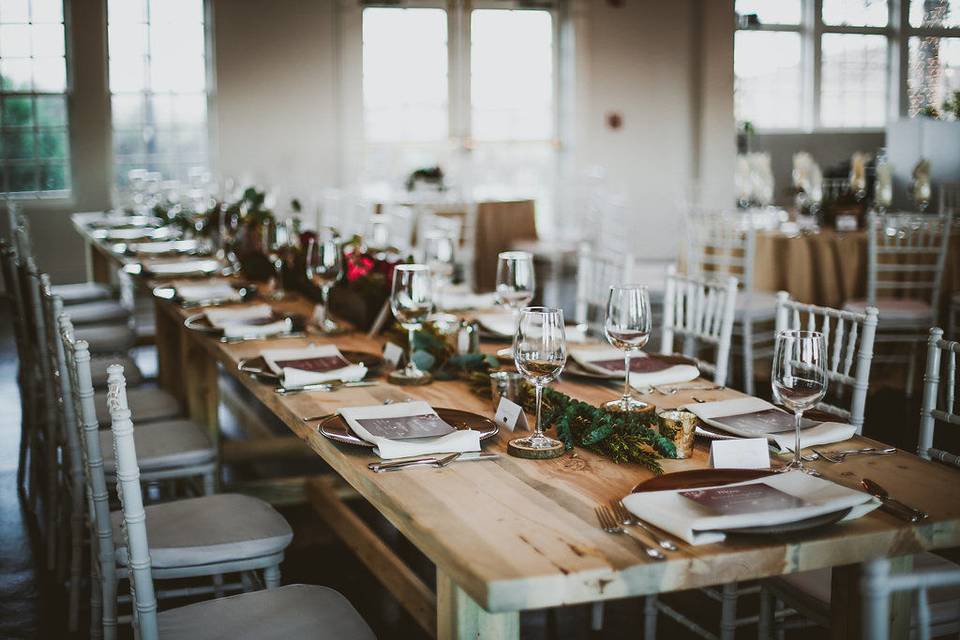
column 397, row 378
column 650, row 408
column 521, row 451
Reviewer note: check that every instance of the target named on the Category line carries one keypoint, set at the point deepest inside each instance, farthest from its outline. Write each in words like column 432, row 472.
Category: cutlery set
column 437, row 461
column 323, row 387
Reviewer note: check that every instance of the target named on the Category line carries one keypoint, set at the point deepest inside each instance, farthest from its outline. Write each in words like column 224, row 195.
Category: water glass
column 324, row 266
column 799, row 378
column 627, row 327
column 540, row 353
column 411, row 300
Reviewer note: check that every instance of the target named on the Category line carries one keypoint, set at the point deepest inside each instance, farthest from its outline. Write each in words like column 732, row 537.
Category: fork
column 609, row 524
column 625, row 517
column 839, row 456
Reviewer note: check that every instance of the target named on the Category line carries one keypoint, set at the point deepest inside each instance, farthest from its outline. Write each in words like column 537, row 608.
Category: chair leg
column 911, row 369
column 218, row 585
column 271, row 576
column 596, row 616
column 728, row 611
column 748, row 357
column 765, row 615
column 650, row 618
column 96, row 600
column 209, row 483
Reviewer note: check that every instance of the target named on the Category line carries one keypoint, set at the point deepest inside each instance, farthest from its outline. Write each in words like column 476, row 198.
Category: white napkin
column 221, row 318
column 505, row 325
column 147, row 248
column 460, row 441
column 696, row 524
column 258, row 331
column 221, row 291
column 453, row 300
column 294, row 378
column 673, row 374
column 821, row 433
column 182, row 267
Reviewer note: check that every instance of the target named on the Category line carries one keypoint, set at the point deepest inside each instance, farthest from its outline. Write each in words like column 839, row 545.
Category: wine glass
column 229, row 228
column 439, row 254
column 324, row 265
column 799, row 378
column 515, row 280
column 278, row 247
column 411, row 299
column 627, row 327
column 540, row 352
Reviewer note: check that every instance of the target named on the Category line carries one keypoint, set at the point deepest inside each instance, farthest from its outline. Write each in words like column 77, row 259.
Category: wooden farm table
column 513, row 535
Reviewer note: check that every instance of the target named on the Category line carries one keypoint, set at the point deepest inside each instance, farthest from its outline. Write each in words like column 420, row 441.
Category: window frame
column 811, row 28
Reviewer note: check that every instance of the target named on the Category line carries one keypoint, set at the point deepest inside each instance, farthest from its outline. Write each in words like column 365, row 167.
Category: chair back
column 879, row 583
column 906, row 254
column 596, row 273
column 103, row 564
column 131, row 499
column 699, row 310
column 939, row 404
column 722, row 244
column 848, row 339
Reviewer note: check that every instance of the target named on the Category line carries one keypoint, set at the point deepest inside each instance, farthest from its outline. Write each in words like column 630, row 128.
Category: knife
column 892, row 505
column 323, row 386
column 440, row 460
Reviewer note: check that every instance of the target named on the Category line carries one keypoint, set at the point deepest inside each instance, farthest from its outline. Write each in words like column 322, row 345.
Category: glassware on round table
column 411, row 300
column 799, row 379
column 516, row 283
column 540, row 353
column 627, row 327
column 324, row 266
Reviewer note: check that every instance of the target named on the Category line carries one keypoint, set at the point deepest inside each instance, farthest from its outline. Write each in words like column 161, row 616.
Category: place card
column 392, row 354
column 511, row 415
column 742, row 453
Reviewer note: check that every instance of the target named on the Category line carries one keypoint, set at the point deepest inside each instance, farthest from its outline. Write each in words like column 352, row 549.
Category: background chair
column 848, row 338
column 700, row 311
column 596, row 273
column 878, row 584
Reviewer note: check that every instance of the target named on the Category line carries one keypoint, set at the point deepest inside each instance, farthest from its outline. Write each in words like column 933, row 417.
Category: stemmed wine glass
column 515, row 280
column 279, row 244
column 439, row 254
column 324, row 266
column 540, row 352
column 411, row 300
column 799, row 378
column 229, row 229
column 627, row 327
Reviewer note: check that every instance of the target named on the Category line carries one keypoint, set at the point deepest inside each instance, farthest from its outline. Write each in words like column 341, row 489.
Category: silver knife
column 892, row 505
column 323, row 386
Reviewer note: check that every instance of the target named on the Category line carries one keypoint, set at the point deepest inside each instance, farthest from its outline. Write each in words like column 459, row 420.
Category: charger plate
column 258, row 366
column 198, row 322
column 336, row 428
column 247, row 292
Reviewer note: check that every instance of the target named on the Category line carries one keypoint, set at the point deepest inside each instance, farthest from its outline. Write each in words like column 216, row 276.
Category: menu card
column 749, row 417
column 409, row 421
column 312, row 365
column 747, row 498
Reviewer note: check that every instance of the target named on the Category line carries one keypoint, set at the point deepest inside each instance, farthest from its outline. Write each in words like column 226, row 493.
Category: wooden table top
column 521, row 534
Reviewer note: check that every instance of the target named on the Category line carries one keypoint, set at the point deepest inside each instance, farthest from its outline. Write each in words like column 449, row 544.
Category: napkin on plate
column 461, row 441
column 168, row 246
column 219, row 291
column 182, row 267
column 750, row 417
column 697, row 523
column 505, row 325
column 645, row 370
column 248, row 322
column 312, row 365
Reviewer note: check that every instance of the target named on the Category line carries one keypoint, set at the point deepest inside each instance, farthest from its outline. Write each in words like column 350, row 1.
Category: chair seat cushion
column 163, row 445
column 79, row 292
column 102, row 312
column 758, row 304
column 944, row 603
column 294, row 611
column 208, row 530
column 99, row 364
column 146, row 405
column 894, row 309
column 107, row 338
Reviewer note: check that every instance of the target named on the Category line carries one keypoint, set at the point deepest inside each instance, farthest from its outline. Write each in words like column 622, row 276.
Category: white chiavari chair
column 279, row 612
column 596, row 273
column 848, row 337
column 700, row 311
column 724, row 244
column 939, row 405
column 906, row 255
column 937, row 593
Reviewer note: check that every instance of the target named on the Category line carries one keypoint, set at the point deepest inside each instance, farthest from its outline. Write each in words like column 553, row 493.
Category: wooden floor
column 31, row 606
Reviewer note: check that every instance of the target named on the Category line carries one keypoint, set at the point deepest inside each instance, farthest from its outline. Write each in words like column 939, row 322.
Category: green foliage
column 952, row 105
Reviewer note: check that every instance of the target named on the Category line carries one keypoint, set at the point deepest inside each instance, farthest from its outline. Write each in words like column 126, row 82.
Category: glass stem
column 278, row 268
column 411, row 331
column 626, row 379
column 538, row 430
column 324, row 301
column 798, row 416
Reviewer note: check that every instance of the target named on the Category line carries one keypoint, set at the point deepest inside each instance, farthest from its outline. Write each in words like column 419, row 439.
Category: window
column 853, row 80
column 935, row 13
column 768, row 88
column 934, row 58
column 405, row 75
column 855, row 13
column 157, row 63
column 34, row 145
column 511, row 75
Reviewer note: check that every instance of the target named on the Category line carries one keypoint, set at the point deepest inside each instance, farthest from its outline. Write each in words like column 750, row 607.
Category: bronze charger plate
column 700, row 478
column 258, row 366
column 198, row 322
column 336, row 428
column 577, row 370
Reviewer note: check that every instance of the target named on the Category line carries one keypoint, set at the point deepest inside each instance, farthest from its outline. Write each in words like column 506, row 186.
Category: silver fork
column 609, row 524
column 624, row 516
column 839, row 456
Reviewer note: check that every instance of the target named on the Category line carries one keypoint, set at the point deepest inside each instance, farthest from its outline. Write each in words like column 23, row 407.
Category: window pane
column 51, row 111
column 14, row 11
column 16, row 144
column 512, row 75
column 853, row 85
column 405, row 74
column 16, row 74
column 855, row 13
column 50, row 75
column 22, row 177
column 768, row 89
column 51, row 143
column 935, row 13
column 775, row 12
column 46, row 11
column 15, row 40
column 54, row 176
column 934, row 72
column 16, row 111
column 48, row 40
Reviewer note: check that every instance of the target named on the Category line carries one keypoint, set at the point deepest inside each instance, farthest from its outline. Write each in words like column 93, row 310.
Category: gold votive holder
column 679, row 426
column 505, row 384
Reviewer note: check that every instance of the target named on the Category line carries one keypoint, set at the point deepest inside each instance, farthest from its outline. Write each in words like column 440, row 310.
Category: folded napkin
column 182, row 267
column 251, row 331
column 505, row 325
column 697, row 523
column 645, row 371
column 248, row 322
column 134, row 233
column 220, row 291
column 459, row 441
column 168, row 246
column 453, row 300
column 750, row 417
column 312, row 365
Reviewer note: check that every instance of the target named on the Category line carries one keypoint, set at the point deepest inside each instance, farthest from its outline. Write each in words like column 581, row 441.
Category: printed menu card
column 408, row 429
column 312, row 365
column 645, row 371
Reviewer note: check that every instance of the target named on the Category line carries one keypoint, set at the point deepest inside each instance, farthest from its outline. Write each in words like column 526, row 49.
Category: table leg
column 168, row 342
column 98, row 266
column 201, row 386
column 459, row 617
column 845, row 602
